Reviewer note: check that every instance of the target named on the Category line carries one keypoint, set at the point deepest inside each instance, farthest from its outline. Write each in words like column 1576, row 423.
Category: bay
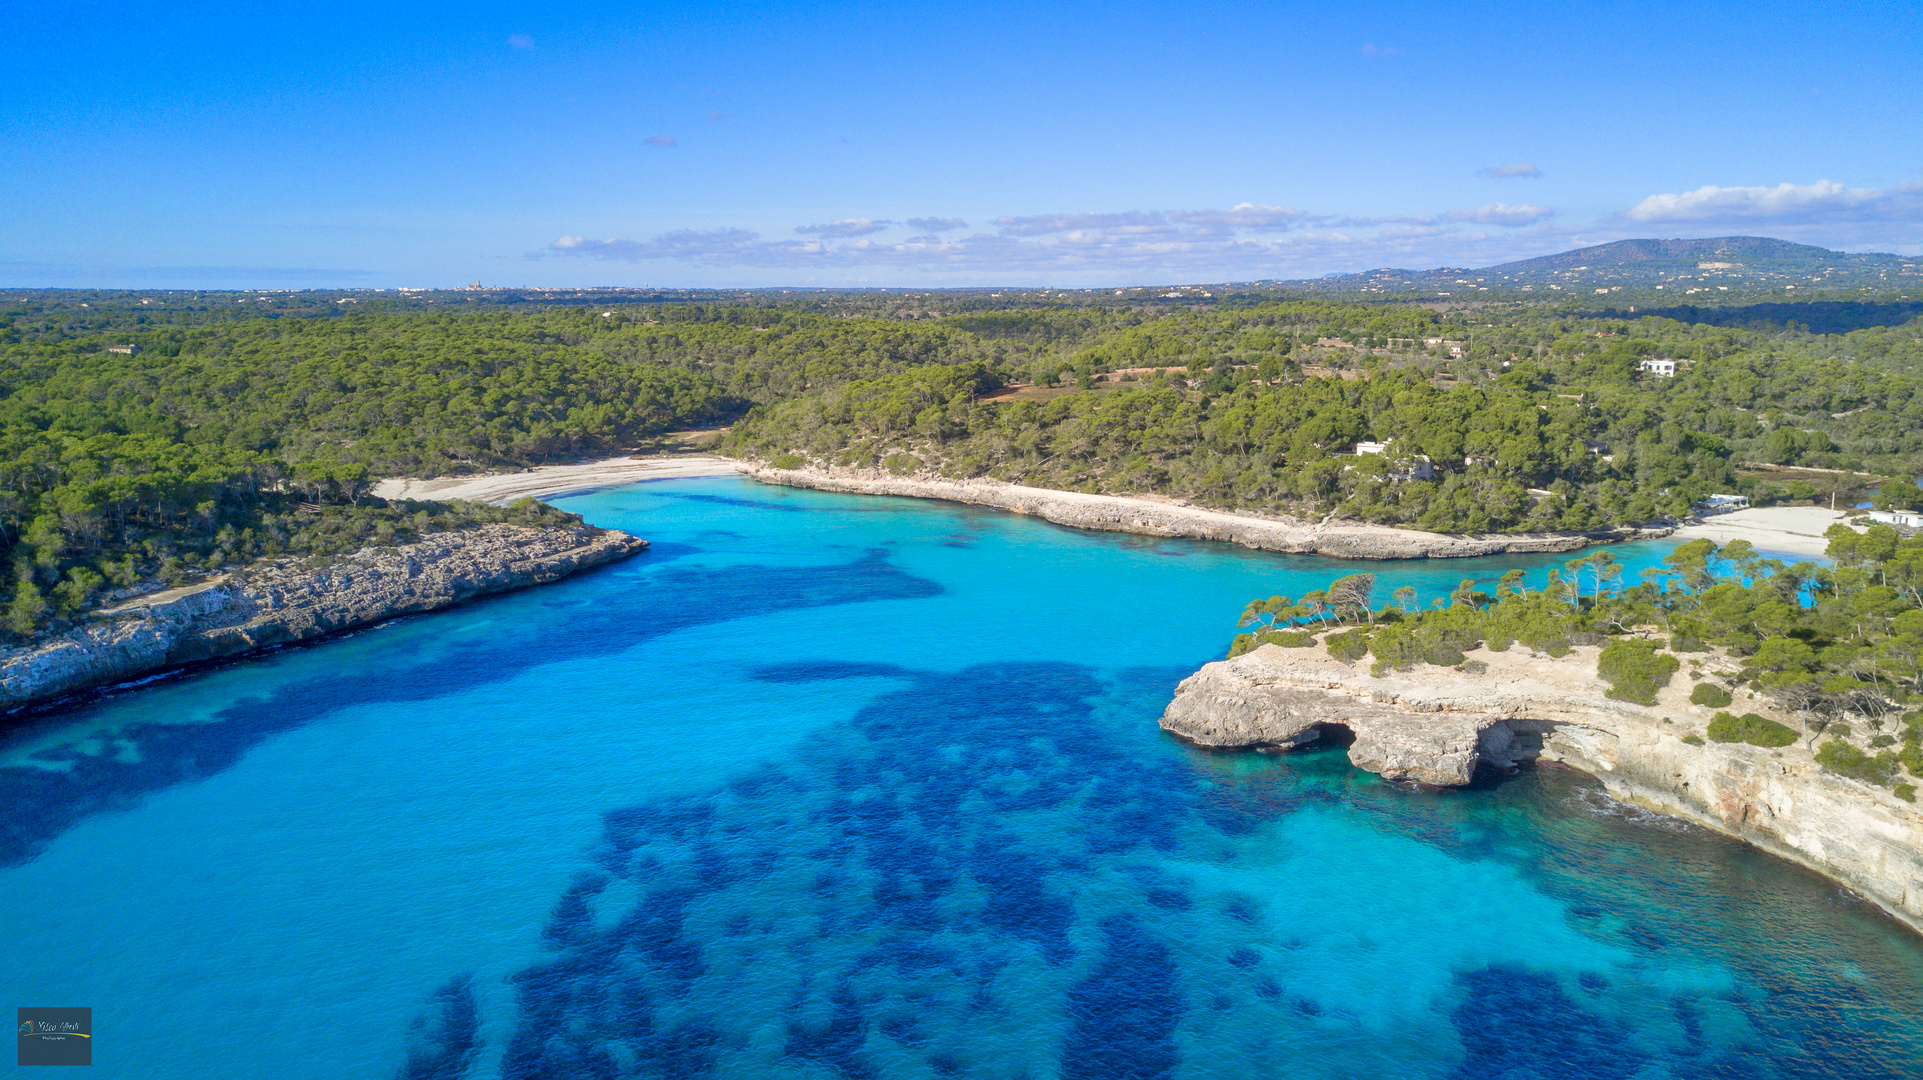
column 837, row 786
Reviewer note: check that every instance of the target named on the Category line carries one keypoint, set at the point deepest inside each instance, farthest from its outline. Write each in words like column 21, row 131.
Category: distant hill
column 1727, row 267
column 1683, row 256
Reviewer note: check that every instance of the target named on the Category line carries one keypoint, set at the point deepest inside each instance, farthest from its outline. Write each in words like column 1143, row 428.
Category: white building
column 1662, row 368
column 1909, row 519
column 1717, row 504
column 1418, row 467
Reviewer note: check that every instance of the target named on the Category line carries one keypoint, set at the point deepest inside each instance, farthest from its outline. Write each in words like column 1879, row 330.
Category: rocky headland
column 1157, row 517
column 291, row 600
column 1436, row 726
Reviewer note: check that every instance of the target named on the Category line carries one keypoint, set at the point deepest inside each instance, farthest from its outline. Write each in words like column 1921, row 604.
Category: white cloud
column 713, row 246
column 1243, row 216
column 1132, row 221
column 1247, row 241
column 1502, row 214
column 1370, row 49
column 1513, row 170
column 520, row 41
column 1825, row 201
column 846, row 227
column 663, row 141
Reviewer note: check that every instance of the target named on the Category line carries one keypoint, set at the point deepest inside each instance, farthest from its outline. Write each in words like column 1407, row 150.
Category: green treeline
column 1543, row 424
column 200, row 447
column 1840, row 646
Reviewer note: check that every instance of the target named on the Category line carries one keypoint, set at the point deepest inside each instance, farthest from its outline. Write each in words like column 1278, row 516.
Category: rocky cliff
column 1437, row 725
column 281, row 602
column 1154, row 517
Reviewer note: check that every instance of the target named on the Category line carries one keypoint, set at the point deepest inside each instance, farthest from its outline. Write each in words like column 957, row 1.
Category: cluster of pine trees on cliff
column 1838, row 646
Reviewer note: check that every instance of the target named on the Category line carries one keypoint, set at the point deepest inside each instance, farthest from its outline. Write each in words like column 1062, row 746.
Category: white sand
column 1786, row 530
column 551, row 480
column 1782, row 530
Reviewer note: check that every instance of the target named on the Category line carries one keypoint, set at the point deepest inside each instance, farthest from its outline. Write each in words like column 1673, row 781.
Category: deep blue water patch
column 445, row 1039
column 877, row 791
column 910, row 837
column 623, row 611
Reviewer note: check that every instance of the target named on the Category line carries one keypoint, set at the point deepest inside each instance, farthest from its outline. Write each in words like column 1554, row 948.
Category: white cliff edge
column 283, row 602
column 1435, row 725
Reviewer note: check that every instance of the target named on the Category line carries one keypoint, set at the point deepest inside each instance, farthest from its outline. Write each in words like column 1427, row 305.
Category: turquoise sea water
column 826, row 786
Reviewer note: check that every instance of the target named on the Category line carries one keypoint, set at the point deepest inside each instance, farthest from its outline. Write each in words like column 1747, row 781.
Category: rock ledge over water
column 1437, row 725
column 282, row 602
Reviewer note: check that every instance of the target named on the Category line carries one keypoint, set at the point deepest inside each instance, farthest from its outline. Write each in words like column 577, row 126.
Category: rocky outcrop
column 282, row 602
column 1153, row 517
column 1438, row 725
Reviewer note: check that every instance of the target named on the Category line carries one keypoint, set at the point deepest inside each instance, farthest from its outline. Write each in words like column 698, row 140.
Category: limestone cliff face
column 1114, row 513
column 1436, row 725
column 281, row 602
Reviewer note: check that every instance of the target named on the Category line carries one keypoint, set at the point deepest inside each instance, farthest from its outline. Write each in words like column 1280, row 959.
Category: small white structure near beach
column 1909, row 519
column 1718, row 504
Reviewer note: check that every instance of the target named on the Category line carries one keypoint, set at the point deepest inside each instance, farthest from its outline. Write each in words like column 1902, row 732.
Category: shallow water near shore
column 828, row 786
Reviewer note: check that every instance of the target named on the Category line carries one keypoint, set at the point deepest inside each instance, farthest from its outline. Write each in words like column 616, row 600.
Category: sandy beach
column 1782, row 530
column 552, row 480
column 1152, row 516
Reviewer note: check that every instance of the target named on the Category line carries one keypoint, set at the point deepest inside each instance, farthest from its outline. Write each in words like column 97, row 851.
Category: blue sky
column 938, row 144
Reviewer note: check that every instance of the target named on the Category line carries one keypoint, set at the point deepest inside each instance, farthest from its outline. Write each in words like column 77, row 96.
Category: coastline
column 551, row 480
column 1436, row 725
column 1166, row 517
column 291, row 600
column 1784, row 530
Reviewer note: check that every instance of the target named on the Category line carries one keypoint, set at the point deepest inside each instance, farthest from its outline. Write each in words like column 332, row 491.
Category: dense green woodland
column 1236, row 416
column 1838, row 647
column 200, row 449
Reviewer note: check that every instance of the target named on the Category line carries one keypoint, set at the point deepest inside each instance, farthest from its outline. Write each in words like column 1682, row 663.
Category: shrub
column 1750, row 728
column 1845, row 760
column 1473, row 667
column 901, row 464
column 1693, row 739
column 1912, row 754
column 788, row 461
column 1906, row 792
column 1288, row 639
column 1393, row 647
column 1350, row 646
column 1709, row 694
column 1635, row 670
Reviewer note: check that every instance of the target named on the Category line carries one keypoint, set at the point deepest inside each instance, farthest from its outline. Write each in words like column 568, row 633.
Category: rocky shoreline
column 1149, row 517
column 1437, row 725
column 285, row 601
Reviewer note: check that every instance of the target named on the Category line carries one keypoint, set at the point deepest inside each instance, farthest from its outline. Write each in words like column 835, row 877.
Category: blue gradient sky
column 1078, row 144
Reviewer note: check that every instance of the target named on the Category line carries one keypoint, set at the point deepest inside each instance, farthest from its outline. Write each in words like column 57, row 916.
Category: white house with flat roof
column 1661, row 368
